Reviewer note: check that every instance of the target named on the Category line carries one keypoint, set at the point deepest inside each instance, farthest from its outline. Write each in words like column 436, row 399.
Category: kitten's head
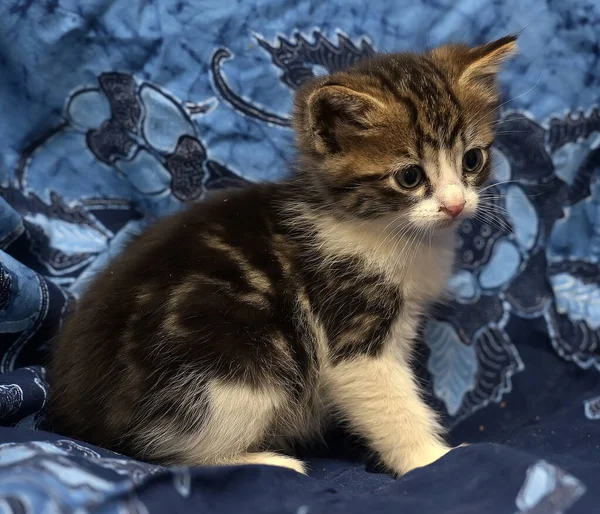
column 403, row 135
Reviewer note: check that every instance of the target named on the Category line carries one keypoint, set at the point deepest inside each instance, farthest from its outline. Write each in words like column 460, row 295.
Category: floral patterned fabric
column 115, row 113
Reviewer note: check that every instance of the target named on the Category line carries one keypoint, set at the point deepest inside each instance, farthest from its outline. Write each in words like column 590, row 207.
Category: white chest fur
column 420, row 265
column 425, row 275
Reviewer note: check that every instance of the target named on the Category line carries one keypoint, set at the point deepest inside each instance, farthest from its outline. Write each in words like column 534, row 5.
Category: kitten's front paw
column 422, row 458
column 426, row 457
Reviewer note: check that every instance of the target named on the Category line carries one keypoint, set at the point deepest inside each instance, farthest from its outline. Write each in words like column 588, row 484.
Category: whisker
column 490, row 197
column 482, row 219
column 512, row 99
column 495, row 212
column 487, row 203
column 415, row 247
column 495, row 221
column 503, row 119
column 493, row 206
column 388, row 236
column 497, row 184
column 500, row 195
column 430, row 238
column 512, row 132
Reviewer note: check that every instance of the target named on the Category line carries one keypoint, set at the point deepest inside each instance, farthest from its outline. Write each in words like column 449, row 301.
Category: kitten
column 248, row 321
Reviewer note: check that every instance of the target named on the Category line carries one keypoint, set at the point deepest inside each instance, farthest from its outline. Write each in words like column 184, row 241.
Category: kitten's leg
column 235, row 419
column 379, row 398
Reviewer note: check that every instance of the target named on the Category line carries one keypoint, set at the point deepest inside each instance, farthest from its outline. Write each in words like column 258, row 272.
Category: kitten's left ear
column 329, row 114
column 484, row 61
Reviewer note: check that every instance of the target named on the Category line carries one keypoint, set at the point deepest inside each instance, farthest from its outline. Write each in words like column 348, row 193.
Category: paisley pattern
column 531, row 257
column 68, row 477
column 124, row 115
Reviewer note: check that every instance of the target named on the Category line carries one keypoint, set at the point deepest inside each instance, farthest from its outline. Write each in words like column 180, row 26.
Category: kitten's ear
column 484, row 62
column 332, row 115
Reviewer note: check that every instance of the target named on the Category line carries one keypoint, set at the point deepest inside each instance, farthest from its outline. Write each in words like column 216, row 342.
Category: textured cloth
column 114, row 113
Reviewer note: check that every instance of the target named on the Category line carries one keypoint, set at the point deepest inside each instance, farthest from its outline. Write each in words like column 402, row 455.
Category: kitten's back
column 178, row 299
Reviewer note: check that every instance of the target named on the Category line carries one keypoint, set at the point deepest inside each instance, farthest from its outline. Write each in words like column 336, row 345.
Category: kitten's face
column 404, row 136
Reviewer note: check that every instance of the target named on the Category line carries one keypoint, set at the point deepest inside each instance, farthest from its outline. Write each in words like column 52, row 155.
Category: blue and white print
column 115, row 113
column 62, row 482
column 592, row 408
column 548, row 489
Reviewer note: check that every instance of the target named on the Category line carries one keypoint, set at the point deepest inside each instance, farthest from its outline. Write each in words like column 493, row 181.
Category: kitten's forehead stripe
column 438, row 120
column 448, row 89
column 429, row 83
column 453, row 133
column 388, row 85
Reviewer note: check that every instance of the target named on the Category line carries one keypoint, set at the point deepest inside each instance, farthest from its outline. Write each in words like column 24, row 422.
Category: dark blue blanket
column 113, row 113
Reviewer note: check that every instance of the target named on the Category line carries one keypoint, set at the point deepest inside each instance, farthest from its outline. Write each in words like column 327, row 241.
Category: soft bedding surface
column 113, row 113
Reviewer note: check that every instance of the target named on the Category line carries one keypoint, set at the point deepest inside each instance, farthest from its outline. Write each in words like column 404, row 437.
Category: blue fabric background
column 113, row 113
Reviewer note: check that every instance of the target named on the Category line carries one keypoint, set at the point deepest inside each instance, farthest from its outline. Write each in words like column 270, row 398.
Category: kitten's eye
column 410, row 177
column 472, row 160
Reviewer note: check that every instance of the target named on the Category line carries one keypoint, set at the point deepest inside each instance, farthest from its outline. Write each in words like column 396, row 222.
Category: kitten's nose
column 453, row 209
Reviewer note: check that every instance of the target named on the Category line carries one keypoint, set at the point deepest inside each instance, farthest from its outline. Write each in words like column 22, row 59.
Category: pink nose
column 453, row 210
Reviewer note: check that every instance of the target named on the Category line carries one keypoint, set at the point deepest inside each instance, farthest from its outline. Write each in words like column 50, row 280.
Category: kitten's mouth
column 446, row 223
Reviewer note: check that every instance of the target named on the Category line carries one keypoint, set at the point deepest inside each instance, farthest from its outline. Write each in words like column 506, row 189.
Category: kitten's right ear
column 484, row 61
column 330, row 116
